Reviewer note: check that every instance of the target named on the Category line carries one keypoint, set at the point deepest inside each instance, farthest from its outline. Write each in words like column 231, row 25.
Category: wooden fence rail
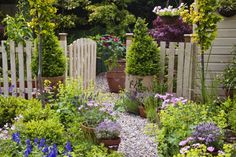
column 16, row 69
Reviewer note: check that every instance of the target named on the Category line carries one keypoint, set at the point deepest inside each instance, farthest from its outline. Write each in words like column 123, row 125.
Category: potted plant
column 143, row 59
column 93, row 114
column 112, row 51
column 169, row 15
column 108, row 132
column 53, row 60
column 227, row 8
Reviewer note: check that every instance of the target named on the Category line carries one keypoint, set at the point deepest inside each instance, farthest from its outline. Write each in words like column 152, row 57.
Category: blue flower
column 11, row 89
column 28, row 142
column 36, row 140
column 68, row 146
column 45, row 149
column 41, row 143
column 27, row 151
column 16, row 137
column 53, row 151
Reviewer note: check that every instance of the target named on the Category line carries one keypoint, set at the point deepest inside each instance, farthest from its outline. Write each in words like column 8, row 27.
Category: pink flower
column 116, row 39
column 183, row 143
column 210, row 149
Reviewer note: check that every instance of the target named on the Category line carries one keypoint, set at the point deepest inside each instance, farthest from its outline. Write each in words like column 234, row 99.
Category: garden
column 156, row 84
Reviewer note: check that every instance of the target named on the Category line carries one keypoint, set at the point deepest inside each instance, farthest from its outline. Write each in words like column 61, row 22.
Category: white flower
column 170, row 7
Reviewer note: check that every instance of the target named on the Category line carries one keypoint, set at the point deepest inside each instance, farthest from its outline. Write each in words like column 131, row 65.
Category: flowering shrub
column 94, row 113
column 110, row 48
column 108, row 130
column 208, row 134
column 170, row 99
column 169, row 11
column 170, row 33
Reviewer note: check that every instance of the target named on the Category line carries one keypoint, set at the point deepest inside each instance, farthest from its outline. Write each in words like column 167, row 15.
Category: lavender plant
column 170, row 99
column 108, row 130
column 208, row 134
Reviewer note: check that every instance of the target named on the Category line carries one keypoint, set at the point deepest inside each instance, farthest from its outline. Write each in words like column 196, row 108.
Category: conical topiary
column 143, row 54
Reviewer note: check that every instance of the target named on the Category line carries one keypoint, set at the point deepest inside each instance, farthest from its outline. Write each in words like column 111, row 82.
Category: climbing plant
column 203, row 15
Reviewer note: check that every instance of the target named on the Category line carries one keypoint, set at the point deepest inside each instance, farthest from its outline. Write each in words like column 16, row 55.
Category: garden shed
column 219, row 56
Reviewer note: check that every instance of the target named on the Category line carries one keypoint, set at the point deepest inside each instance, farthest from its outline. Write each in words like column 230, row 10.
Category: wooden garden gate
column 180, row 61
column 82, row 60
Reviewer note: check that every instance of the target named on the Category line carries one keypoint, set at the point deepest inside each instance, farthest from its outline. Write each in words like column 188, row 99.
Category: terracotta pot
column 54, row 80
column 112, row 144
column 142, row 111
column 116, row 77
column 169, row 19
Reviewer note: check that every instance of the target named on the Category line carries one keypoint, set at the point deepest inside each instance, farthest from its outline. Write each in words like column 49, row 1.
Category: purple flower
column 184, row 149
column 16, row 137
column 210, row 149
column 45, row 149
column 108, row 129
column 36, row 140
column 41, row 143
column 183, row 143
column 68, row 146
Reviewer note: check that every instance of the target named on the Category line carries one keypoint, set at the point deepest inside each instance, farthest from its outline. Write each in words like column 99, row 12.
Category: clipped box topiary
column 143, row 59
column 53, row 59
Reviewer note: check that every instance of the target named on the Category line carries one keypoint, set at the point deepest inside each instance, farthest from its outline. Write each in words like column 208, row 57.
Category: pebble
column 134, row 141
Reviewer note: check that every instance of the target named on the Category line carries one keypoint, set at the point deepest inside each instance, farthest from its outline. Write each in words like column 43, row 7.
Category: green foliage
column 143, row 54
column 177, row 124
column 110, row 49
column 98, row 151
column 10, row 107
column 17, row 28
column 229, row 76
column 232, row 116
column 53, row 58
column 151, row 104
column 116, row 19
column 50, row 129
column 130, row 103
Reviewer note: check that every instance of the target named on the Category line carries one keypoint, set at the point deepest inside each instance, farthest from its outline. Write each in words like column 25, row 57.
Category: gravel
column 134, row 141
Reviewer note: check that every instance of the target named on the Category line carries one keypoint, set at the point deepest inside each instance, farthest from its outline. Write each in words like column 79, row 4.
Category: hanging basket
column 169, row 19
column 226, row 12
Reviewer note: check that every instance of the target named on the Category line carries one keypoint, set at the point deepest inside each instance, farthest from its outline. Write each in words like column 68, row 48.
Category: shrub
column 143, row 54
column 169, row 33
column 130, row 103
column 53, row 58
column 50, row 129
column 10, row 107
column 177, row 123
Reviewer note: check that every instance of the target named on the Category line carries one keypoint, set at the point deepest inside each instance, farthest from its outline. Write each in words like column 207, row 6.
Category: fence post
column 63, row 43
column 129, row 37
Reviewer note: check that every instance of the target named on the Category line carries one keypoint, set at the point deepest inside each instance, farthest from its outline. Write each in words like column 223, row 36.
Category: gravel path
column 134, row 142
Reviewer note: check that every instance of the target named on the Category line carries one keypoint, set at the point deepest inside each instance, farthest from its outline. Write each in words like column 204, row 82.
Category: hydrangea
column 107, row 129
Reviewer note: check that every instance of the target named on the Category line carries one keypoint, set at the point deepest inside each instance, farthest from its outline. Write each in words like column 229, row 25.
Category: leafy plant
column 171, row 33
column 52, row 56
column 50, row 129
column 130, row 102
column 177, row 123
column 151, row 105
column 110, row 49
column 10, row 107
column 17, row 28
column 227, row 7
column 229, row 76
column 143, row 54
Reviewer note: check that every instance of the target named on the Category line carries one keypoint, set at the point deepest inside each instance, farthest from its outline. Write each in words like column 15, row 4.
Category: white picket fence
column 16, row 59
column 82, row 60
column 180, row 61
column 16, row 77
